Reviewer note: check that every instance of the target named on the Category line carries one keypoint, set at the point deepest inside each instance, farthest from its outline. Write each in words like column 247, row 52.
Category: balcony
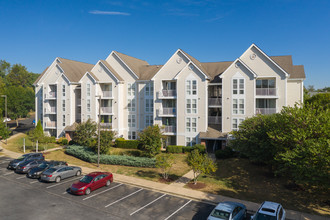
column 167, row 94
column 106, row 94
column 265, row 111
column 169, row 129
column 78, row 102
column 105, row 125
column 215, row 120
column 166, row 112
column 50, row 110
column 50, row 95
column 106, row 110
column 51, row 124
column 266, row 91
column 214, row 102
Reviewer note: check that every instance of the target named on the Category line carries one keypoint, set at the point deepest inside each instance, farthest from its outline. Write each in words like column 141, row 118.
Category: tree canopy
column 151, row 140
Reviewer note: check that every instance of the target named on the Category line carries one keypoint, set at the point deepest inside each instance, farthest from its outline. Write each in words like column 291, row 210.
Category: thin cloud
column 97, row 12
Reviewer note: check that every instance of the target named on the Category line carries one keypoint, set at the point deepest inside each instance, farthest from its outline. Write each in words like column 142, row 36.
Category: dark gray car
column 30, row 156
column 45, row 165
column 26, row 166
column 55, row 174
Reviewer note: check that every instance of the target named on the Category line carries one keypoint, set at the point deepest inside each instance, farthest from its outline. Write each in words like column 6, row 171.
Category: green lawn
column 16, row 144
column 179, row 168
column 240, row 179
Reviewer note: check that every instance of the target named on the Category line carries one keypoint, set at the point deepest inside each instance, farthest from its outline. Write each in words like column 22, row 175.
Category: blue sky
column 33, row 33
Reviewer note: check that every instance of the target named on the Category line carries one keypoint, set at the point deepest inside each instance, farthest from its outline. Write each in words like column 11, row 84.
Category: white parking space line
column 8, row 173
column 178, row 210
column 65, row 192
column 48, row 187
column 123, row 198
column 102, row 192
column 21, row 177
column 34, row 181
column 147, row 205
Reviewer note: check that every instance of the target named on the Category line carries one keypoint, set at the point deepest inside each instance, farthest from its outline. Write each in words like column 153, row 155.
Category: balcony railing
column 266, row 91
column 214, row 101
column 167, row 111
column 50, row 95
column 105, row 125
column 50, row 110
column 106, row 110
column 265, row 111
column 51, row 124
column 166, row 93
column 106, row 94
column 214, row 120
column 169, row 129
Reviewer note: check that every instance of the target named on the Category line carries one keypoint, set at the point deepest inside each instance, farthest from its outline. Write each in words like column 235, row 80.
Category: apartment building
column 193, row 101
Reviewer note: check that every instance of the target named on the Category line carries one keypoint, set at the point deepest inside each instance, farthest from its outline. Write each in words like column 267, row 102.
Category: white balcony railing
column 50, row 95
column 169, row 129
column 214, row 120
column 167, row 93
column 265, row 111
column 106, row 110
column 105, row 124
column 50, row 110
column 167, row 111
column 51, row 124
column 214, row 101
column 266, row 91
column 106, row 94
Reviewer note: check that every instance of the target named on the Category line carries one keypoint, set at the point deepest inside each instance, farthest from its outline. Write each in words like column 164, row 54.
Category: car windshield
column 86, row 179
column 261, row 216
column 43, row 165
column 220, row 214
column 51, row 170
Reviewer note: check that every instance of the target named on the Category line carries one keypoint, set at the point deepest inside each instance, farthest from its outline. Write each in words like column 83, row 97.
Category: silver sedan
column 55, row 174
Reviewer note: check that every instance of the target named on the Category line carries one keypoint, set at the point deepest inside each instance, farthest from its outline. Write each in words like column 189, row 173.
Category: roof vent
column 253, row 56
column 179, row 60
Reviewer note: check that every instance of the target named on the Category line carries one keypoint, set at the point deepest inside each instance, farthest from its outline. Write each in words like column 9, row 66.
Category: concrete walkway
column 178, row 189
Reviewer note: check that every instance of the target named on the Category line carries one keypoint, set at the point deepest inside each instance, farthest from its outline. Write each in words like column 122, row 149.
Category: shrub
column 71, row 142
column 187, row 149
column 86, row 154
column 225, row 153
column 200, row 147
column 62, row 141
column 127, row 144
column 174, row 149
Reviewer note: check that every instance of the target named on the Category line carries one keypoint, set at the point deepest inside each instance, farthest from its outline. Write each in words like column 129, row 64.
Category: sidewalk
column 177, row 188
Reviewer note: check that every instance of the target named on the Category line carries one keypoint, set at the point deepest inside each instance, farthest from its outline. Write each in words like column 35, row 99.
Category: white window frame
column 149, row 121
column 88, row 102
column 131, row 135
column 240, row 86
column 149, row 89
column 191, row 124
column 63, row 122
column 191, row 87
column 190, row 103
column 63, row 90
column 63, row 105
column 131, row 104
column 131, row 89
column 237, row 122
column 238, row 106
column 131, row 121
column 88, row 90
column 191, row 141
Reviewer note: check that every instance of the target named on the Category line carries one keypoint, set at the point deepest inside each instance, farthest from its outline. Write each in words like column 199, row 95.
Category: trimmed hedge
column 88, row 155
column 174, row 149
column 187, row 149
column 225, row 153
column 127, row 144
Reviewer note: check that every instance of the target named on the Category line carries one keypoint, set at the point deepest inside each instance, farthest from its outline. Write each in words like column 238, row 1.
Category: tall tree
column 4, row 68
column 151, row 140
column 4, row 131
column 18, row 76
column 85, row 133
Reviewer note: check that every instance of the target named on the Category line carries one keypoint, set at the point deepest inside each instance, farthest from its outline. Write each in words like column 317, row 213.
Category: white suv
column 269, row 211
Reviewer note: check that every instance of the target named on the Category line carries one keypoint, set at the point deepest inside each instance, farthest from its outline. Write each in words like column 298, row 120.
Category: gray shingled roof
column 75, row 70
column 133, row 63
column 212, row 133
column 112, row 70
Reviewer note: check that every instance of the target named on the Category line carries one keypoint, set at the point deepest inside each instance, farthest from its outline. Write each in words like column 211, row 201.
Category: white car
column 6, row 119
column 269, row 211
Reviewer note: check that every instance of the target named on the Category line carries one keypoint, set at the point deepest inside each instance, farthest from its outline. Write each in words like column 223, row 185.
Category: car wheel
column 78, row 173
column 58, row 179
column 88, row 191
column 108, row 183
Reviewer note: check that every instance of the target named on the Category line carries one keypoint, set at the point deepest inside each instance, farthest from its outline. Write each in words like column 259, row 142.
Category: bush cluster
column 185, row 149
column 174, row 149
column 89, row 155
column 225, row 153
column 62, row 141
column 127, row 144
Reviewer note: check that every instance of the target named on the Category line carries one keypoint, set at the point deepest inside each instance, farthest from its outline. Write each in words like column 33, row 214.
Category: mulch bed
column 198, row 185
column 162, row 180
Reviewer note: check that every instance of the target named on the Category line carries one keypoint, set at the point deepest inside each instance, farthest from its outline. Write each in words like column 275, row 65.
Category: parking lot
column 26, row 198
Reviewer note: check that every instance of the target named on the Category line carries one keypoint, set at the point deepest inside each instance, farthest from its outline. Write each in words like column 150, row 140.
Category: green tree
column 85, row 133
column 165, row 163
column 200, row 164
column 151, row 140
column 18, row 76
column 4, row 131
column 321, row 99
column 106, row 141
column 4, row 68
column 36, row 134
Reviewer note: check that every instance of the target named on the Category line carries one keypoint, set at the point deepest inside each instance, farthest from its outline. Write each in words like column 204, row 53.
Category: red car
column 91, row 182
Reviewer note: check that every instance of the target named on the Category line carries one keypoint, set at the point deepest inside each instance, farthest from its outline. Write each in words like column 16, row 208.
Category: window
column 63, row 120
column 131, row 89
column 149, row 120
column 149, row 89
column 238, row 86
column 63, row 90
column 131, row 135
column 88, row 89
column 191, row 124
column 88, row 117
column 88, row 105
column 191, row 106
column 265, row 87
column 238, row 106
column 190, row 141
column 131, row 121
column 131, row 105
column 63, row 105
column 236, row 123
column 149, row 105
column 191, row 87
